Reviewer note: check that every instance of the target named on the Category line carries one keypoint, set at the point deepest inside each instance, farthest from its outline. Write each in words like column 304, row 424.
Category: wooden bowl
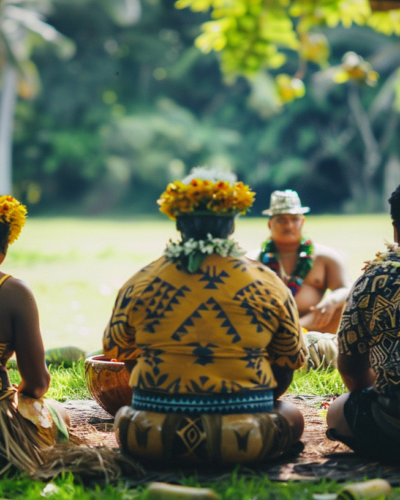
column 108, row 383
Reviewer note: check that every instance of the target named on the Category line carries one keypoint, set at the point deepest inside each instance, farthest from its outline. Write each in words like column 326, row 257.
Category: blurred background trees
column 137, row 104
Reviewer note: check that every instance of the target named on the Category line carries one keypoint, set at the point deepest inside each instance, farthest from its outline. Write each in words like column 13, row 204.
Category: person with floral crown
column 367, row 419
column 211, row 339
column 314, row 273
column 29, row 423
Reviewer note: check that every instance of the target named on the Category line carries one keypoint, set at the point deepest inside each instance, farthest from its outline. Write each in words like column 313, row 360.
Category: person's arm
column 287, row 350
column 27, row 340
column 338, row 284
column 283, row 376
column 356, row 371
column 119, row 338
column 130, row 364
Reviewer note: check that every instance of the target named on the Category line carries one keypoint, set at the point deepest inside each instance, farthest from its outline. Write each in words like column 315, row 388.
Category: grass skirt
column 35, row 449
column 20, row 443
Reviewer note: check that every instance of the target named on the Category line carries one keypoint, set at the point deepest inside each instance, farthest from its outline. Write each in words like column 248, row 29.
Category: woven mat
column 320, row 458
column 89, row 422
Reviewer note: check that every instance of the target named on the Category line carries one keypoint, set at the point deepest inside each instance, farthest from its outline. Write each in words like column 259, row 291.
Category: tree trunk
column 391, row 179
column 8, row 96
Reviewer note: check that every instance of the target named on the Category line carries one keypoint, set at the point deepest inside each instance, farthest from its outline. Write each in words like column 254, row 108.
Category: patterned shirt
column 371, row 323
column 216, row 331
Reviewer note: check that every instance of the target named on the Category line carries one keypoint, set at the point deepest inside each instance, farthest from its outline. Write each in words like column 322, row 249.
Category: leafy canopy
column 255, row 35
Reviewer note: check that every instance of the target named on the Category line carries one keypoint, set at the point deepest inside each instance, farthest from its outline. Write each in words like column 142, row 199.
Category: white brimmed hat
column 285, row 202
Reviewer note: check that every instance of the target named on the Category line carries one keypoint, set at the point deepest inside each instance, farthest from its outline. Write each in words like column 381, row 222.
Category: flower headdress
column 206, row 192
column 12, row 212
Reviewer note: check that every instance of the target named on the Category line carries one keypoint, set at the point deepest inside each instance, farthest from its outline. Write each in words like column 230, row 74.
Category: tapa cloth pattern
column 215, row 331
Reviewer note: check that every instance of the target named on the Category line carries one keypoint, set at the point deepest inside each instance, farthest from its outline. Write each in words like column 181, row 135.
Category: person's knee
column 122, row 420
column 335, row 418
column 293, row 416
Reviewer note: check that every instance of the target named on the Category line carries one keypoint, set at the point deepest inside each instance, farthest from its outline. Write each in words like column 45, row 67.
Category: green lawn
column 76, row 266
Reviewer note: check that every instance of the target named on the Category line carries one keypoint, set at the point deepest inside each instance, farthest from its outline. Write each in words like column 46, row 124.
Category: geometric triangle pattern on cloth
column 213, row 278
column 214, row 331
column 163, row 298
column 254, row 293
column 371, row 323
column 219, row 316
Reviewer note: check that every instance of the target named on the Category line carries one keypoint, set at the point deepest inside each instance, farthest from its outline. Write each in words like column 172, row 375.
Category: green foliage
column 239, row 487
column 234, row 486
column 250, row 34
column 67, row 382
column 138, row 107
column 65, row 487
column 318, row 383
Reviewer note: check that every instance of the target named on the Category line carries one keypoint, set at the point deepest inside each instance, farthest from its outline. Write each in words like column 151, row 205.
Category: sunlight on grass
column 65, row 487
column 317, row 383
column 66, row 383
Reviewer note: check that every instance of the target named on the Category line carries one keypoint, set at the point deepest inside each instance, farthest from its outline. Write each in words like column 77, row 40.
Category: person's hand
column 323, row 313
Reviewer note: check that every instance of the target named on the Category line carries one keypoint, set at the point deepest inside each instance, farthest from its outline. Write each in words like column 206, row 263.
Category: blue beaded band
column 260, row 401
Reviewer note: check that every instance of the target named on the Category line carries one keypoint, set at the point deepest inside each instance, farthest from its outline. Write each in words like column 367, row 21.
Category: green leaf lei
column 270, row 257
column 192, row 253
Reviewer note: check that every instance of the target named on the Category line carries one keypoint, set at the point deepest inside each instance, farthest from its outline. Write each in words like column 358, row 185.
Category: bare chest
column 316, row 277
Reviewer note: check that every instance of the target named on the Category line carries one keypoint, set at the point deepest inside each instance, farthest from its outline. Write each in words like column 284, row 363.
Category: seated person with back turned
column 28, row 422
column 309, row 270
column 211, row 337
column 367, row 419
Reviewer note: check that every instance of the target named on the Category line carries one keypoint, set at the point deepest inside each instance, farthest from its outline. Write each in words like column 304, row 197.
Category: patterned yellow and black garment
column 371, row 322
column 204, row 342
column 27, row 425
column 203, row 440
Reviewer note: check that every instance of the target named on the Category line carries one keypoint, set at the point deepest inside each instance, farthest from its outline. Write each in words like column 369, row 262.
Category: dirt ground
column 95, row 426
column 320, row 458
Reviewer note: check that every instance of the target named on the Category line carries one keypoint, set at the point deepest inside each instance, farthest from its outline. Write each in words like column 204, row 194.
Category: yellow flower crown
column 14, row 214
column 203, row 196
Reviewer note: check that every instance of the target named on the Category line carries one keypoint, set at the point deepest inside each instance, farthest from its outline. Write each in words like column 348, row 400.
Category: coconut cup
column 108, row 383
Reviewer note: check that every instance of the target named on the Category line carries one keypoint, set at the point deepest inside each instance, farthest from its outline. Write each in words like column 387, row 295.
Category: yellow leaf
column 200, row 5
column 182, row 4
column 341, row 76
column 204, row 42
column 277, row 60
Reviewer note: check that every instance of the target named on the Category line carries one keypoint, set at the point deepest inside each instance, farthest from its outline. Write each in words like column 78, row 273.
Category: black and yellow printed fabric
column 212, row 332
column 371, row 323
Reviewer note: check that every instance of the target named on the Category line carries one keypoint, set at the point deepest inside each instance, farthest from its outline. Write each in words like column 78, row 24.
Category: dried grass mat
column 90, row 423
column 320, row 458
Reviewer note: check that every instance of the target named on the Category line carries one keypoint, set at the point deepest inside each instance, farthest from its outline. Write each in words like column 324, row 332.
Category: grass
column 75, row 268
column 318, row 383
column 234, row 487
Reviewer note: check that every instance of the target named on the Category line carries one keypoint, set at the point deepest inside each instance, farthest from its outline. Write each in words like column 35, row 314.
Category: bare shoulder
column 327, row 254
column 17, row 291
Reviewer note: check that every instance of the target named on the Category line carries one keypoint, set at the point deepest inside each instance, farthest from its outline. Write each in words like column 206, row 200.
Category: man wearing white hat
column 309, row 270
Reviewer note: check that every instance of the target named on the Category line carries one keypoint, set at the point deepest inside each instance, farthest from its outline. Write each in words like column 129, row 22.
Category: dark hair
column 394, row 201
column 4, row 234
column 198, row 226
